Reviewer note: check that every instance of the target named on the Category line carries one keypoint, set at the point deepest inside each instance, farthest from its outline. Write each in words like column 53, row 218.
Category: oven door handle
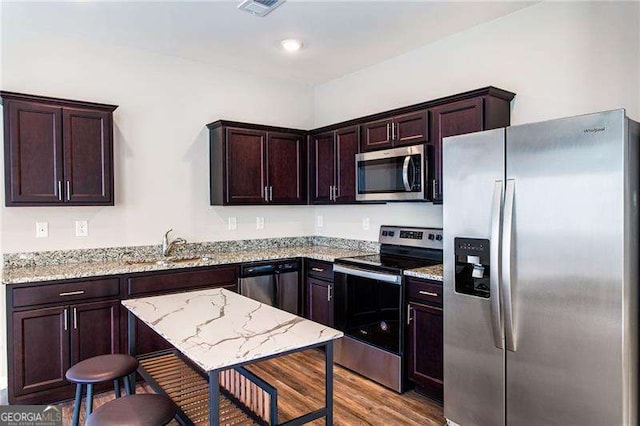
column 364, row 273
column 405, row 173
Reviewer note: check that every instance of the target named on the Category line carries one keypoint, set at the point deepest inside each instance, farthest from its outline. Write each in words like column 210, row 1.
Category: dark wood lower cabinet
column 40, row 355
column 95, row 330
column 425, row 338
column 320, row 301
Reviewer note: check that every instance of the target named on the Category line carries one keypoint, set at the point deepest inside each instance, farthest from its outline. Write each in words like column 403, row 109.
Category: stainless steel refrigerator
column 541, row 273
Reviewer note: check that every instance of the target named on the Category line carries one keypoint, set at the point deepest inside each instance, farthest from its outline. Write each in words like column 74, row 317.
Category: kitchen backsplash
column 138, row 253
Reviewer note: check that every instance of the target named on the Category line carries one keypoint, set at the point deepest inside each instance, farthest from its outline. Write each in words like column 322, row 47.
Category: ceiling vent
column 260, row 7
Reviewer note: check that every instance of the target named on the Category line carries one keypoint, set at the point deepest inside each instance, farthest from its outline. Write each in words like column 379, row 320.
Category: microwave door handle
column 405, row 173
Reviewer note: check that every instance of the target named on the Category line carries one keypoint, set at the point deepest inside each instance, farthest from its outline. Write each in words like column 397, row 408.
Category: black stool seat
column 102, row 368
column 134, row 410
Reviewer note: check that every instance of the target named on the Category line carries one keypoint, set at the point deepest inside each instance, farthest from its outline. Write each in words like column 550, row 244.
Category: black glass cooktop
column 389, row 261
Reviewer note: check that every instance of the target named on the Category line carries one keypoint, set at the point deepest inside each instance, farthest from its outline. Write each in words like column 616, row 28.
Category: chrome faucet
column 167, row 246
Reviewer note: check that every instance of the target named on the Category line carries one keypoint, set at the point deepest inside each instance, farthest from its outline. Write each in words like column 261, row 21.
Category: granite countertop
column 434, row 272
column 218, row 328
column 24, row 274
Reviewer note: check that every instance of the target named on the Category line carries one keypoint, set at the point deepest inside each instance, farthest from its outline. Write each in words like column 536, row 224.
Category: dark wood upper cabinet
column 286, row 168
column 457, row 118
column 405, row 129
column 322, row 162
column 332, row 162
column 252, row 164
column 246, row 175
column 57, row 152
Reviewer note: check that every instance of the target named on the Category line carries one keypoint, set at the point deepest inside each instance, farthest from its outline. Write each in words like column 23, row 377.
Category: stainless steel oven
column 370, row 306
column 396, row 174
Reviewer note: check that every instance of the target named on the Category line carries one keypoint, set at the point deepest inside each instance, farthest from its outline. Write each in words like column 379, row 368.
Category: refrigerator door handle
column 494, row 280
column 507, row 247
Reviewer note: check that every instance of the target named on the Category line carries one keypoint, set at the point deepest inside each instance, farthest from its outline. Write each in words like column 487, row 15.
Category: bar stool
column 100, row 369
column 134, row 410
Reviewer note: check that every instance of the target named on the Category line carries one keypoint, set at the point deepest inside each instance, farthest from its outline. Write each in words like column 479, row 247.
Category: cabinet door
column 453, row 119
column 410, row 129
column 346, row 150
column 246, row 178
column 425, row 348
column 320, row 301
column 285, row 172
column 33, row 154
column 376, row 135
column 40, row 355
column 323, row 154
column 88, row 156
column 95, row 330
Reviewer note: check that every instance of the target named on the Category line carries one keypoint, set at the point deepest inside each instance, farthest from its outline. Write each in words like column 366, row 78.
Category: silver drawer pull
column 72, row 293
column 428, row 293
column 317, row 269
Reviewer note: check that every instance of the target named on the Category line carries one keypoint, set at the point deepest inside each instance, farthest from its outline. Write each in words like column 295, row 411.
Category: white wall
column 560, row 58
column 161, row 142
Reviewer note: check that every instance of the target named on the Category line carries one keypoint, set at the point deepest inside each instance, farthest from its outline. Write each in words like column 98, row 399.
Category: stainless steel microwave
column 396, row 174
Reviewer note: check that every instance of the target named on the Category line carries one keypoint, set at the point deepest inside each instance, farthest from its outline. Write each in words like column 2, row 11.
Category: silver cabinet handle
column 428, row 293
column 71, row 293
column 336, row 192
column 329, row 293
column 68, row 190
column 266, row 194
column 393, row 131
column 60, row 190
column 507, row 234
column 270, row 193
column 317, row 269
column 388, row 131
column 494, row 259
column 434, row 187
column 66, row 320
column 332, row 193
column 75, row 319
column 408, row 314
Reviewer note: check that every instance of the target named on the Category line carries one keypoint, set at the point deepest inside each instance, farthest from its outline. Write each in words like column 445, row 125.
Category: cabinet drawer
column 426, row 291
column 320, row 269
column 175, row 281
column 65, row 292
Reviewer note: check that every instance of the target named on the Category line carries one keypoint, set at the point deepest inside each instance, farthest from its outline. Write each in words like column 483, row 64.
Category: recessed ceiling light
column 291, row 45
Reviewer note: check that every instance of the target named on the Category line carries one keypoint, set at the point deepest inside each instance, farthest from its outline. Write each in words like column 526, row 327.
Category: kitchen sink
column 168, row 261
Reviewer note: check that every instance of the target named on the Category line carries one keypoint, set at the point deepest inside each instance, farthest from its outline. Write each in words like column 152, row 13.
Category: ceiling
column 339, row 37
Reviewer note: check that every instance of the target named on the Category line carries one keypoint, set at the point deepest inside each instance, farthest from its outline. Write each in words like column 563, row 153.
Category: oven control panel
column 411, row 236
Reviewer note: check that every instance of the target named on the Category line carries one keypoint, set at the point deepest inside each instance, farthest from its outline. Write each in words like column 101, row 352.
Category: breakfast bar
column 218, row 330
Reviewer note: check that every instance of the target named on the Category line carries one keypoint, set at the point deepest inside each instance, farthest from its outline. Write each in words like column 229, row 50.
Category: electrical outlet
column 233, row 224
column 365, row 223
column 42, row 229
column 82, row 228
column 319, row 221
column 259, row 222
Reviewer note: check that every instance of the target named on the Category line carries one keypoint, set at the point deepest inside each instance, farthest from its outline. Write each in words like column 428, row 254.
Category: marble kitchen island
column 218, row 330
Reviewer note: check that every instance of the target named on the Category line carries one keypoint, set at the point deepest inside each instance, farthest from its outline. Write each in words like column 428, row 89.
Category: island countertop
column 218, row 328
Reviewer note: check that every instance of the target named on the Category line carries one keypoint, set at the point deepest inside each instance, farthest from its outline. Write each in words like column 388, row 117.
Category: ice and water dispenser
column 472, row 266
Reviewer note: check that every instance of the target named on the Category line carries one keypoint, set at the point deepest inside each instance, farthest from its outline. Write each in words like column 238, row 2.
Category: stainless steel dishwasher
column 275, row 283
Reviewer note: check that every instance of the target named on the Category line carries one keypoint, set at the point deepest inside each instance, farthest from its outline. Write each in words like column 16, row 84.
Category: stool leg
column 127, row 385
column 76, row 405
column 89, row 400
column 116, row 387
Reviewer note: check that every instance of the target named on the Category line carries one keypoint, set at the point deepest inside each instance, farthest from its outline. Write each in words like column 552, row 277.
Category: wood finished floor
column 299, row 378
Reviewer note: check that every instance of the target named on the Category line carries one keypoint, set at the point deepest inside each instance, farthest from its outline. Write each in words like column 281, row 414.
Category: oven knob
column 431, row 236
column 438, row 237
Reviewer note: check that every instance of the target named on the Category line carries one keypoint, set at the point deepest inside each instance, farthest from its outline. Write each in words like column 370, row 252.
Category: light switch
column 319, row 221
column 82, row 228
column 232, row 223
column 42, row 229
column 260, row 222
column 365, row 223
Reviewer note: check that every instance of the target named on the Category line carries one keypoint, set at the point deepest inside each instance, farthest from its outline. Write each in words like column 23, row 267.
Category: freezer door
column 566, row 362
column 473, row 359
